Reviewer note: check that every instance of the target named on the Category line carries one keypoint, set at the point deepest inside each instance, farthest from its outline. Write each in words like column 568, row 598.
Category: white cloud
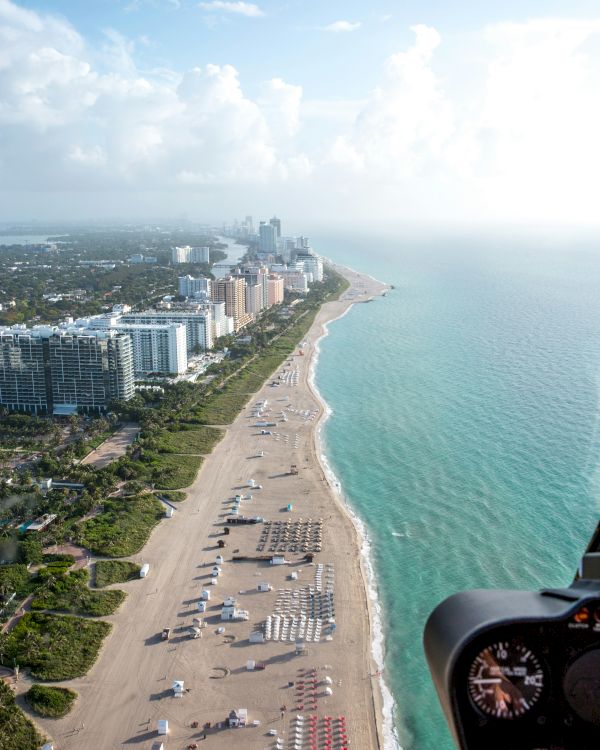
column 243, row 9
column 338, row 27
column 406, row 119
column 280, row 103
column 516, row 137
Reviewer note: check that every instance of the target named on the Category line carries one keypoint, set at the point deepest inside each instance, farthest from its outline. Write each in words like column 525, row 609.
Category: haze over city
column 321, row 111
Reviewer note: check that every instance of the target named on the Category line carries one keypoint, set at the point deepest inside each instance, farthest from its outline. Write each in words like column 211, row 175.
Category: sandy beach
column 317, row 659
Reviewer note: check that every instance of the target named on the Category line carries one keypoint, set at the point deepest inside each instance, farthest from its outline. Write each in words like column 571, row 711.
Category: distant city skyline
column 340, row 113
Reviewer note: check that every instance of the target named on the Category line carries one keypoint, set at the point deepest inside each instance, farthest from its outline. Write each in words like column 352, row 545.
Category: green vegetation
column 173, row 496
column 54, row 702
column 201, row 440
column 123, row 527
column 55, row 647
column 169, row 471
column 70, row 593
column 84, row 290
column 223, row 407
column 14, row 579
column 115, row 571
column 16, row 730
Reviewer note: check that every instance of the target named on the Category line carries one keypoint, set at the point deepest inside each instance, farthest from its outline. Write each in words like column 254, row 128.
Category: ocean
column 464, row 426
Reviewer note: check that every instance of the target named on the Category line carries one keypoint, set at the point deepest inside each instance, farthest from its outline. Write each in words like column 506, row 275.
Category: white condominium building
column 190, row 286
column 254, row 298
column 157, row 348
column 187, row 254
column 220, row 326
column 198, row 324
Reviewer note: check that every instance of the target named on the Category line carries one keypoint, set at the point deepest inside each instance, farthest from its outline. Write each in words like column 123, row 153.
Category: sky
column 343, row 113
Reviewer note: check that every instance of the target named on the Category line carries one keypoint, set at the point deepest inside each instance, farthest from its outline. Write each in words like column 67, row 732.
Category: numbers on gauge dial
column 505, row 680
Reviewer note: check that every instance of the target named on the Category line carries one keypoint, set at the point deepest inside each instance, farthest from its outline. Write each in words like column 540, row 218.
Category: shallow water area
column 464, row 426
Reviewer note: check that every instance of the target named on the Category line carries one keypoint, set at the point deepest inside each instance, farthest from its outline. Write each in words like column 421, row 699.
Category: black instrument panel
column 533, row 685
column 526, row 679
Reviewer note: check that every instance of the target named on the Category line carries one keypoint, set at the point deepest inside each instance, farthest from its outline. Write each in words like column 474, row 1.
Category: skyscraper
column 88, row 369
column 23, row 371
column 275, row 222
column 267, row 238
column 232, row 291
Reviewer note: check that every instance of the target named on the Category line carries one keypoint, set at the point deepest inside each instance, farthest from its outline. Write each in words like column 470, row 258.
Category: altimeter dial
column 505, row 680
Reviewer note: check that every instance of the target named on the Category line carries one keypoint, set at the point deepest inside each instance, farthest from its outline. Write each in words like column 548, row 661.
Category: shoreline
column 131, row 678
column 383, row 699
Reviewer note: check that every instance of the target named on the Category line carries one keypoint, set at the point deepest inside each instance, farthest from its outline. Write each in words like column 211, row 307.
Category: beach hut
column 328, row 691
column 289, row 507
column 278, row 560
column 238, row 717
column 221, row 543
column 169, row 512
column 219, row 560
column 162, row 726
column 256, row 636
column 250, row 664
column 205, row 595
column 177, row 688
column 158, row 745
column 202, row 606
column 145, row 569
column 264, row 586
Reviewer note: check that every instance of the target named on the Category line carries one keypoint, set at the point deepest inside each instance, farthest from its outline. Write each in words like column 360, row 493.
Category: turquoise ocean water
column 464, row 427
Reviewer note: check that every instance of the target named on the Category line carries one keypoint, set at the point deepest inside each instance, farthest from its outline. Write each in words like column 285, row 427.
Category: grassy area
column 16, row 730
column 173, row 496
column 70, row 593
column 171, row 472
column 53, row 702
column 115, row 571
column 123, row 527
column 201, row 440
column 55, row 647
column 223, row 408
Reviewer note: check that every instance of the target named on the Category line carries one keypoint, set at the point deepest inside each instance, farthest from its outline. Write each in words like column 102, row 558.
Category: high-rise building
column 275, row 222
column 247, row 226
column 190, row 286
column 312, row 264
column 267, row 238
column 219, row 320
column 88, row 369
column 285, row 247
column 276, row 287
column 24, row 372
column 198, row 324
column 187, row 254
column 254, row 299
column 232, row 291
column 199, row 255
column 68, row 370
column 180, row 254
column 257, row 275
column 157, row 348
